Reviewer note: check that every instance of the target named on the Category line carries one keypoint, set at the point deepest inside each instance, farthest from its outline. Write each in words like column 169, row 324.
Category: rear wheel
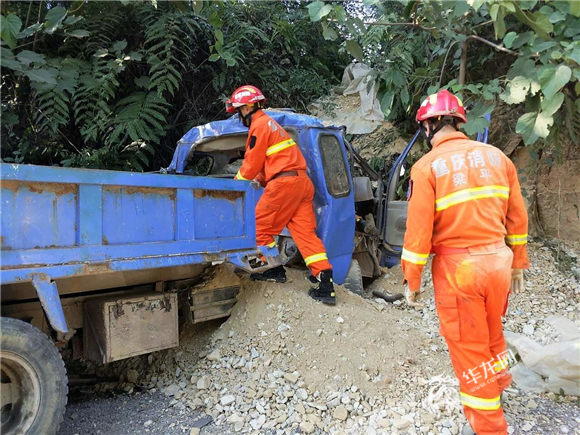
column 354, row 278
column 34, row 382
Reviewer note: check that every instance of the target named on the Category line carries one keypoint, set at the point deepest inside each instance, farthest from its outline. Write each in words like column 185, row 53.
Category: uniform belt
column 286, row 174
column 444, row 250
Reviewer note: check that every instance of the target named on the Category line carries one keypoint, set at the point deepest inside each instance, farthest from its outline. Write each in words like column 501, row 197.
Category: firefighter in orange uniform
column 465, row 205
column 274, row 160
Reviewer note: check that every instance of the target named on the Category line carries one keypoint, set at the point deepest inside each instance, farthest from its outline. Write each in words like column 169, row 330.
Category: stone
column 307, row 427
column 291, row 377
column 227, row 399
column 203, row 383
column 340, row 413
column 385, row 423
column 527, row 427
column 194, row 431
column 340, row 320
column 215, row 355
column 532, row 404
column 319, row 332
column 235, row 418
column 257, row 423
column 171, row 390
column 148, row 423
column 132, row 376
column 401, row 423
column 302, row 394
column 254, row 353
column 528, row 329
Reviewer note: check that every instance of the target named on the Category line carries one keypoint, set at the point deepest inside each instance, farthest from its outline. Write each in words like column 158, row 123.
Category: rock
column 340, row 413
column 307, row 427
column 194, row 431
column 132, row 376
column 302, row 394
column 150, row 359
column 291, row 377
column 148, row 423
column 254, row 353
column 319, row 332
column 340, row 320
column 235, row 418
column 532, row 404
column 227, row 400
column 257, row 423
column 215, row 355
column 401, row 423
column 385, row 423
column 203, row 383
column 528, row 329
column 527, row 427
column 171, row 390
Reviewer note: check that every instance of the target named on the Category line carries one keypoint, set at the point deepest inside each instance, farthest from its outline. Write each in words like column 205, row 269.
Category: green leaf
column 355, row 50
column 27, row 57
column 135, row 55
column 215, row 20
column 475, row 124
column 118, row 46
column 219, row 36
column 318, row 10
column 329, row 33
column 54, row 19
column 29, row 31
column 387, row 103
column 574, row 7
column 516, row 91
column 101, row 52
column 7, row 60
column 197, row 6
column 461, row 7
column 398, row 79
column 41, row 75
column 5, row 32
column 509, row 39
column 551, row 105
column 553, row 79
column 14, row 24
column 533, row 125
column 72, row 19
column 214, row 57
column 476, row 4
column 78, row 33
column 556, row 17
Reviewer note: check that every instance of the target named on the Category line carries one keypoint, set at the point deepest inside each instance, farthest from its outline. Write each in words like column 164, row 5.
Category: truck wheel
column 34, row 382
column 354, row 279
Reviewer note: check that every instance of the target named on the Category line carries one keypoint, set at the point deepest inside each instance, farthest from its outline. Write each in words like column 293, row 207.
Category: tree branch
column 491, row 44
column 445, row 62
column 418, row 26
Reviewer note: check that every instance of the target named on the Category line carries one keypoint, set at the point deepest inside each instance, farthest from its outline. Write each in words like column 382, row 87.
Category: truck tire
column 354, row 278
column 34, row 381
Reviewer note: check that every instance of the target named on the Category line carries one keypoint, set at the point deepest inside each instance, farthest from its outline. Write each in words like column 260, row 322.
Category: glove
column 413, row 297
column 517, row 285
column 256, row 184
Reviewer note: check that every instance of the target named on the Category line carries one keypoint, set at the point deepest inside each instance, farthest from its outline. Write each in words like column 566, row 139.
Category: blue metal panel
column 132, row 215
column 38, row 215
column 218, row 214
column 184, row 215
column 90, row 228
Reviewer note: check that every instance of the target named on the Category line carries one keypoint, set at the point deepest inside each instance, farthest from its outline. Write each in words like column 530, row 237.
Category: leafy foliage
column 522, row 52
column 116, row 84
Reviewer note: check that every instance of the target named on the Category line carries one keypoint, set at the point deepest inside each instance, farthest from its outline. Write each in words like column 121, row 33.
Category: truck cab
column 341, row 199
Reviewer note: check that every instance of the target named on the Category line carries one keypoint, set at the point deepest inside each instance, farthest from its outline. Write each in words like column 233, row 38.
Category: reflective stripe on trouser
column 287, row 202
column 471, row 295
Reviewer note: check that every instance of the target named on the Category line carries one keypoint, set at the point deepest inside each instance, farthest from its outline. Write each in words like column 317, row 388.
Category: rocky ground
column 284, row 364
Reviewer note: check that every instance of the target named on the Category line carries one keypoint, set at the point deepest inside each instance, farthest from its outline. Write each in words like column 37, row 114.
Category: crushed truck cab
column 216, row 150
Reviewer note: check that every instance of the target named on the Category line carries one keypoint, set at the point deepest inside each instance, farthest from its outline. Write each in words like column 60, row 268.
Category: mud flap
column 50, row 301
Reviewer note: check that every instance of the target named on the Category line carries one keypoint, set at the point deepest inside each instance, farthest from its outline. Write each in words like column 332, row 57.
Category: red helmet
column 443, row 103
column 243, row 96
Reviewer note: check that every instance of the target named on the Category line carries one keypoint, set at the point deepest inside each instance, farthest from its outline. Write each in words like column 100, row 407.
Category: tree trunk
column 463, row 63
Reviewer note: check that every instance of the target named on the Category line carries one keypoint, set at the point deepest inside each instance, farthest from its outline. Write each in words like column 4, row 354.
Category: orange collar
column 259, row 113
column 445, row 138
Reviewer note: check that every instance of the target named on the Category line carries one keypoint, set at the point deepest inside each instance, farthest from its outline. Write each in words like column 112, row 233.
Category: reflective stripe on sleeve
column 239, row 176
column 517, row 239
column 271, row 245
column 412, row 257
column 470, row 195
column 480, row 403
column 280, row 146
column 501, row 364
column 314, row 258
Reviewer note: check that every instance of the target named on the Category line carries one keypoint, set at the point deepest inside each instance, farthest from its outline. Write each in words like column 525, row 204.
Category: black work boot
column 277, row 274
column 325, row 290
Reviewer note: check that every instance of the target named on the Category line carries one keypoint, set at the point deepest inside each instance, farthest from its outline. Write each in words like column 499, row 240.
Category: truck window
column 335, row 172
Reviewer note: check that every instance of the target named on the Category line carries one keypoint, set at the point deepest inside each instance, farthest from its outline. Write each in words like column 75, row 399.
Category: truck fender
column 50, row 301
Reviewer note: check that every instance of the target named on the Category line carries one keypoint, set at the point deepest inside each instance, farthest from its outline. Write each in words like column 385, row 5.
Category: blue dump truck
column 106, row 265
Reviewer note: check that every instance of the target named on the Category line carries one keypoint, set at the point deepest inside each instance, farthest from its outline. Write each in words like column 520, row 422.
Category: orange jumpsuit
column 465, row 204
column 287, row 200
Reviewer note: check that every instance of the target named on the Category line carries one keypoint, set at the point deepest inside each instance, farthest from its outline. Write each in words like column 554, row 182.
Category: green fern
column 103, row 27
column 52, row 110
column 140, row 117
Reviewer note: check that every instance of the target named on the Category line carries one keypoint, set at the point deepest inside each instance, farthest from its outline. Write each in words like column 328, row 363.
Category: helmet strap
column 436, row 125
column 247, row 120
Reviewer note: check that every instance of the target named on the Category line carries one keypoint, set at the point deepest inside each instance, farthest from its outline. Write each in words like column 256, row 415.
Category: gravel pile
column 284, row 364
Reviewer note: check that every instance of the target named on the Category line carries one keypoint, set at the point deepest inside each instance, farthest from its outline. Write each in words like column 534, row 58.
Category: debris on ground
column 285, row 364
